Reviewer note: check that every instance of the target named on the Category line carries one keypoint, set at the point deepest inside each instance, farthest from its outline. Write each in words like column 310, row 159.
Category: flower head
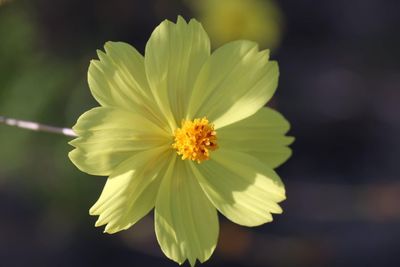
column 185, row 132
column 195, row 139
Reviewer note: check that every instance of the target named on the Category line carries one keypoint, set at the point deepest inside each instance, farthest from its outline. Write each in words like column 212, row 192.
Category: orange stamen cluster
column 195, row 139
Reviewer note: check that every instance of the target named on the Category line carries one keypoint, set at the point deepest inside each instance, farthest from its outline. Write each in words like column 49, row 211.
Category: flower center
column 195, row 139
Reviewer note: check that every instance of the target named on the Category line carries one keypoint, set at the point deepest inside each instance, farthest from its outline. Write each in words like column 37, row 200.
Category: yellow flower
column 185, row 132
column 227, row 20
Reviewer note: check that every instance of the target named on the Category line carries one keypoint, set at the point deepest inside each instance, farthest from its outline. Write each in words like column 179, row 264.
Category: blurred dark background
column 339, row 88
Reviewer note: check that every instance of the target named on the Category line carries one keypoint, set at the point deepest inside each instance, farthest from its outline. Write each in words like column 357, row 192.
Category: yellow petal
column 119, row 80
column 233, row 84
column 108, row 136
column 240, row 187
column 174, row 56
column 261, row 135
column 186, row 222
column 130, row 191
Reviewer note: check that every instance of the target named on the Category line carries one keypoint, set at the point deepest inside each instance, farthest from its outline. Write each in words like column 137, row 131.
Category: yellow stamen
column 195, row 139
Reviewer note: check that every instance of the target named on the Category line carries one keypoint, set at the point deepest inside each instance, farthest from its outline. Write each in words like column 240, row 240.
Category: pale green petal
column 186, row 222
column 242, row 188
column 174, row 56
column 118, row 79
column 233, row 84
column 108, row 136
column 130, row 191
column 261, row 135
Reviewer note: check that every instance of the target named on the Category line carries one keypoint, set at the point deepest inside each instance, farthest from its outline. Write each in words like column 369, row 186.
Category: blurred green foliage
column 39, row 86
